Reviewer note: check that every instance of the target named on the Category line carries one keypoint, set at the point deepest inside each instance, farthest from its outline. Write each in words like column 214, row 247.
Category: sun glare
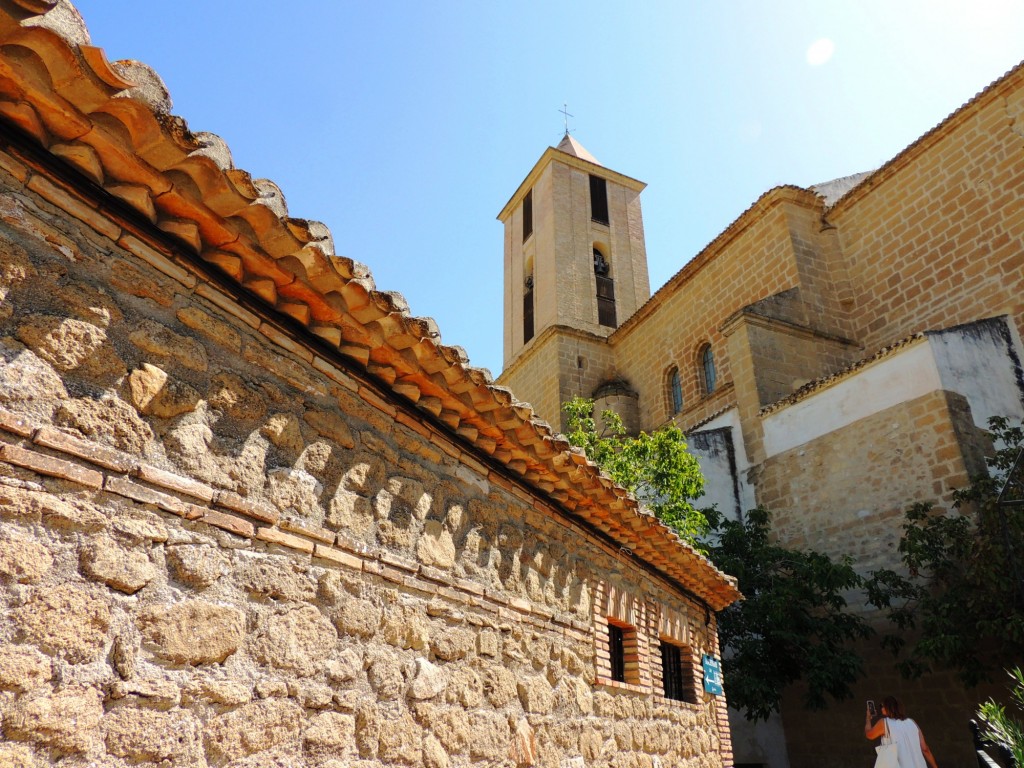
column 820, row 52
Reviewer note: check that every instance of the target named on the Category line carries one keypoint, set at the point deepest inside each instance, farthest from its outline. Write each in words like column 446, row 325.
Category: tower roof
column 570, row 146
column 568, row 152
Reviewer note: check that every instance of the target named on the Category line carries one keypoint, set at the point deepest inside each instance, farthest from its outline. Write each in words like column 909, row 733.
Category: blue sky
column 406, row 126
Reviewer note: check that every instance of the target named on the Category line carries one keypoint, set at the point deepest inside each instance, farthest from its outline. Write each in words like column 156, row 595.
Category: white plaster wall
column 719, row 482
column 898, row 378
column 980, row 361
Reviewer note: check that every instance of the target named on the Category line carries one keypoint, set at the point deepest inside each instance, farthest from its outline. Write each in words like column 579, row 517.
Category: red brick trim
column 230, row 512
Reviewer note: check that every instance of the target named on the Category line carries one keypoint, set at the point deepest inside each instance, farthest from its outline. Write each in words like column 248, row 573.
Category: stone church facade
column 834, row 354
column 254, row 513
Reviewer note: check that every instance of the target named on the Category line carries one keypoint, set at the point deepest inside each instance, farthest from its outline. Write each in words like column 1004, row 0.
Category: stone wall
column 846, row 493
column 936, row 242
column 673, row 326
column 213, row 552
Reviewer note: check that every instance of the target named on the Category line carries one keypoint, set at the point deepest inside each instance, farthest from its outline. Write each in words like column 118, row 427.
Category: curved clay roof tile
column 113, row 123
column 147, row 86
column 214, row 147
column 59, row 16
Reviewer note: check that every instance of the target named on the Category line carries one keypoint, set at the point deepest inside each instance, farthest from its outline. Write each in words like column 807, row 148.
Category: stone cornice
column 765, row 203
column 551, row 154
column 748, row 317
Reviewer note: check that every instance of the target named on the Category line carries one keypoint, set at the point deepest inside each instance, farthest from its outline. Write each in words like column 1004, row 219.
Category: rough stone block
column 253, row 728
column 193, row 632
column 148, row 735
column 126, row 570
column 67, row 620
column 23, row 668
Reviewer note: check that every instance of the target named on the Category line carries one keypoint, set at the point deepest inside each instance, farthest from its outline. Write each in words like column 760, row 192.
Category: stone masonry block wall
column 541, row 368
column 937, row 241
column 562, row 364
column 845, row 493
column 786, row 359
column 213, row 552
column 676, row 323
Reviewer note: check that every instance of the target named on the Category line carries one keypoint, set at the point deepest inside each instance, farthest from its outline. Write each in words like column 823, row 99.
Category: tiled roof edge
column 922, row 142
column 112, row 123
column 826, row 381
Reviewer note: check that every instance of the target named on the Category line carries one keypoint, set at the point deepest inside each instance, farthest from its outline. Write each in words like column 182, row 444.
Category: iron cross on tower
column 565, row 113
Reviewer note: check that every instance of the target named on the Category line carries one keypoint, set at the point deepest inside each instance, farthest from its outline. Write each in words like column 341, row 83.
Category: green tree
column 965, row 594
column 656, row 467
column 1002, row 729
column 791, row 627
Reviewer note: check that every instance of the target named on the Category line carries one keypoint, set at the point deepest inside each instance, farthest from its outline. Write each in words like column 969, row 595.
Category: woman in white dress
column 912, row 748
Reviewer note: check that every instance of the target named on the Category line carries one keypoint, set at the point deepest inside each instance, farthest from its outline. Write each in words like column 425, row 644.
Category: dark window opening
column 528, row 310
column 707, row 362
column 676, row 673
column 605, row 290
column 605, row 301
column 527, row 215
column 676, row 387
column 598, row 200
column 617, row 652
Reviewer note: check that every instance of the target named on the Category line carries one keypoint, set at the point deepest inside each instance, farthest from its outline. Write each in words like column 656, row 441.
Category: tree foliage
column 1002, row 729
column 791, row 626
column 965, row 594
column 656, row 467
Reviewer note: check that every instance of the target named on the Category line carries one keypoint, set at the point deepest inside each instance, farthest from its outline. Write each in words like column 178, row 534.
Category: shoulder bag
column 888, row 754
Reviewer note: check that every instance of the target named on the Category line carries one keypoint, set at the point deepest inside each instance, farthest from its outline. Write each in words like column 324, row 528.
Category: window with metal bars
column 677, row 673
column 617, row 652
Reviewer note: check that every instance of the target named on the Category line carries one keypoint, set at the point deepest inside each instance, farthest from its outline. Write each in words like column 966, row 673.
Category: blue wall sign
column 712, row 675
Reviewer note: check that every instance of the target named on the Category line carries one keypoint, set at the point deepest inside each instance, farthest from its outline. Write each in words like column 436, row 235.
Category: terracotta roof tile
column 113, row 123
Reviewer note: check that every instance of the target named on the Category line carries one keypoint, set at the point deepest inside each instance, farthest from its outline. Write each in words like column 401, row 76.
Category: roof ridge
column 185, row 185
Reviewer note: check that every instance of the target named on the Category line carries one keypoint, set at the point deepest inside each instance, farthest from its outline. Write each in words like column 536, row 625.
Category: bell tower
column 575, row 269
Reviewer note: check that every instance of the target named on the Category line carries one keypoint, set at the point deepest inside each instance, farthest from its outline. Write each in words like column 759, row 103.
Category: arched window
column 675, row 390
column 528, row 308
column 707, row 369
column 605, row 289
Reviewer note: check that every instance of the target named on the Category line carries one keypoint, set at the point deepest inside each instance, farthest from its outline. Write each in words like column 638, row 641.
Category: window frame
column 623, row 652
column 675, row 391
column 527, row 215
column 678, row 678
column 599, row 200
column 617, row 652
column 708, row 371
